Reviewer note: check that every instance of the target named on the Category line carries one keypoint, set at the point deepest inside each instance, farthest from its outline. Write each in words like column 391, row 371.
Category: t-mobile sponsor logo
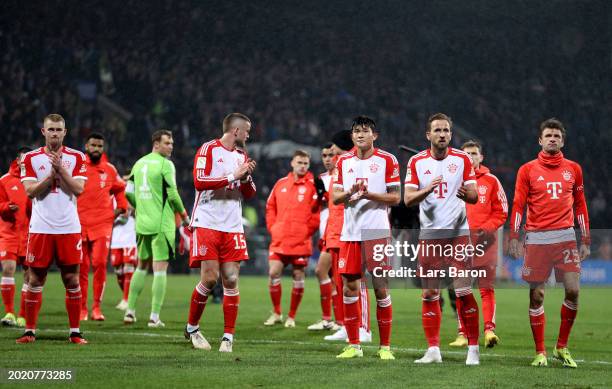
column 553, row 188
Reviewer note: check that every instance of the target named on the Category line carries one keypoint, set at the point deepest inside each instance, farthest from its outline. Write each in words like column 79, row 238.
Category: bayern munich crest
column 482, row 189
column 341, row 263
column 302, row 190
column 566, row 175
column 373, row 168
column 452, row 168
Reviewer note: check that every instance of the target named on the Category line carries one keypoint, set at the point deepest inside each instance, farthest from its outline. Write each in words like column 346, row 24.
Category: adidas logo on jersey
column 283, row 190
column 540, row 178
column 350, row 170
column 220, row 160
column 427, row 172
column 42, row 167
column 14, row 188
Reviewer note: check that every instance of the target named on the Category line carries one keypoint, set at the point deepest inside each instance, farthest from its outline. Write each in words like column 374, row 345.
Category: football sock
column 296, row 297
column 128, row 272
column 276, row 291
column 384, row 315
column 351, row 318
column 325, row 288
column 537, row 320
column 160, row 280
column 24, row 290
column 33, row 302
column 568, row 314
column 197, row 304
column 73, row 306
column 431, row 317
column 7, row 285
column 231, row 301
column 488, row 307
column 136, row 287
column 469, row 314
column 338, row 307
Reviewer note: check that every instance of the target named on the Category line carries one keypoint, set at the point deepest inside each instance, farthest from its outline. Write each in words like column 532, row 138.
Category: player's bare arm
column 340, row 196
column 468, row 193
column 392, row 197
column 40, row 188
column 413, row 196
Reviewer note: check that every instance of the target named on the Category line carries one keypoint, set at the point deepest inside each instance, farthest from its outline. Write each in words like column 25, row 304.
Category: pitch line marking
column 302, row 343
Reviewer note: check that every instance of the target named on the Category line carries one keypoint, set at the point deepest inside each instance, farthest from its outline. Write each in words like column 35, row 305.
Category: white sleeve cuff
column 231, row 178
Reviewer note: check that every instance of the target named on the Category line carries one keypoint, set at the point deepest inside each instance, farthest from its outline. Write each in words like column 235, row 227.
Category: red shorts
column 295, row 260
column 355, row 256
column 43, row 248
column 7, row 255
column 213, row 245
column 126, row 255
column 540, row 259
column 439, row 254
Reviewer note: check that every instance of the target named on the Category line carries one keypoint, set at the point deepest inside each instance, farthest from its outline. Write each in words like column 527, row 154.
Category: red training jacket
column 14, row 225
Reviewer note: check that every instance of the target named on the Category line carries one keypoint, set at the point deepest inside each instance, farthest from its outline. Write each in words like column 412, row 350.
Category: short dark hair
column 439, row 116
column 364, row 121
column 472, row 143
column 23, row 150
column 94, row 135
column 327, row 145
column 157, row 135
column 343, row 139
column 301, row 153
column 553, row 123
column 228, row 120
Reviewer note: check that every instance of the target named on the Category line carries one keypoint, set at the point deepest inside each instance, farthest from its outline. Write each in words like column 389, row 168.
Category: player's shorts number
column 570, row 256
column 240, row 242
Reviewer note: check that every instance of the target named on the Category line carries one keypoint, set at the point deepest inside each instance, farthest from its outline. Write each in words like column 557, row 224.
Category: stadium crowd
column 182, row 67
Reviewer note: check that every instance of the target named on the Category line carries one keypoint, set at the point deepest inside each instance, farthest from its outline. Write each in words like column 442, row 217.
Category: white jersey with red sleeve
column 441, row 209
column 218, row 200
column 326, row 178
column 366, row 219
column 56, row 211
column 124, row 235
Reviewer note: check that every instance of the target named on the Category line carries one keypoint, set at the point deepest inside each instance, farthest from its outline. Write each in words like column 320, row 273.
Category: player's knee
column 571, row 294
column 536, row 298
column 210, row 277
column 230, row 281
column 430, row 294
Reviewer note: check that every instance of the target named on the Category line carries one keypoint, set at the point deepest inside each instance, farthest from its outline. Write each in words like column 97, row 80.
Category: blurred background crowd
column 302, row 72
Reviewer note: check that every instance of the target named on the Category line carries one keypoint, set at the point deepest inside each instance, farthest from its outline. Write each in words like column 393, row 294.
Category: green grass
column 265, row 357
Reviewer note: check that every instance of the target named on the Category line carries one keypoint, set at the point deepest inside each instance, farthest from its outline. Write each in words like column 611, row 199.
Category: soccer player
column 292, row 217
column 152, row 192
column 368, row 183
column 342, row 142
column 323, row 269
column 485, row 218
column 222, row 177
column 441, row 180
column 552, row 187
column 123, row 253
column 15, row 210
column 53, row 176
column 97, row 213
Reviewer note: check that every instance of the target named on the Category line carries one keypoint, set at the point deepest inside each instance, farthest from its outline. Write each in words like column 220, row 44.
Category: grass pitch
column 274, row 357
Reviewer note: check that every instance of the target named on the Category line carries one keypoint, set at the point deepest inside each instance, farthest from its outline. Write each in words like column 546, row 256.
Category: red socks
column 231, row 301
column 538, row 323
column 24, row 290
column 7, row 285
column 431, row 317
column 325, row 288
column 351, row 318
column 198, row 303
column 467, row 309
column 127, row 278
column 568, row 314
column 296, row 297
column 488, row 308
column 384, row 314
column 73, row 306
column 276, row 291
column 33, row 302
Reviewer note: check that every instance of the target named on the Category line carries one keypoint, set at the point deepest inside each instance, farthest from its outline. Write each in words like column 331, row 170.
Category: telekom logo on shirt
column 441, row 189
column 553, row 188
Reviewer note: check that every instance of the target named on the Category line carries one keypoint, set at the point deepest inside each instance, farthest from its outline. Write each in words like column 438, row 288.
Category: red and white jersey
column 366, row 219
column 124, row 235
column 326, row 178
column 441, row 209
column 551, row 187
column 218, row 201
column 55, row 212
